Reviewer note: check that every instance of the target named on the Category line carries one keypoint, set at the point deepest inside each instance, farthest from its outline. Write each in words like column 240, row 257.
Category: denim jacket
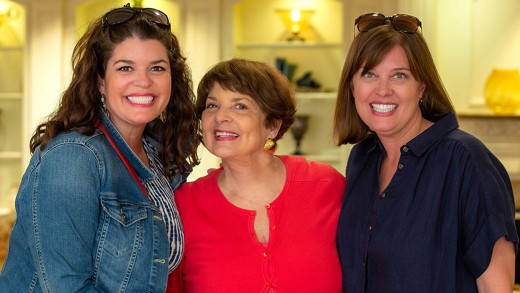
column 83, row 224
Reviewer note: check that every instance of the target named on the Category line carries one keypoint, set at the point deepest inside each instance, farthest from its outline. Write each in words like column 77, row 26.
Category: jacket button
column 160, row 260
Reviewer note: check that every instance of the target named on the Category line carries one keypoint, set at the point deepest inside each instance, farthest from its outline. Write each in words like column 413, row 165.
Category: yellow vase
column 502, row 91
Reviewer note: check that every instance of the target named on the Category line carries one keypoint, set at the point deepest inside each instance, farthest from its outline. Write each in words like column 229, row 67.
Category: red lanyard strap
column 122, row 157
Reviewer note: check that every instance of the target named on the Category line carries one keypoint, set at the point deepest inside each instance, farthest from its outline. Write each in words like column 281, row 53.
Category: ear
column 421, row 89
column 273, row 132
column 101, row 85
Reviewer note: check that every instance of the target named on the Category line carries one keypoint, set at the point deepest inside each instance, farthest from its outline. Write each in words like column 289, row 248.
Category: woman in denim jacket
column 94, row 208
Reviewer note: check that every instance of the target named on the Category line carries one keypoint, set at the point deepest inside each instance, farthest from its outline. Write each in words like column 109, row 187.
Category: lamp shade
column 295, row 21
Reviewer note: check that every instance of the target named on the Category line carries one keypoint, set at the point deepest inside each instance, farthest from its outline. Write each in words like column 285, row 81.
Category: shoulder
column 302, row 169
column 76, row 140
column 463, row 145
column 70, row 144
column 199, row 187
column 72, row 151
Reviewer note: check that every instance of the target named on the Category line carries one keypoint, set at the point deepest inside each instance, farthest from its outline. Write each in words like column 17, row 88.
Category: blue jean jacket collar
column 142, row 171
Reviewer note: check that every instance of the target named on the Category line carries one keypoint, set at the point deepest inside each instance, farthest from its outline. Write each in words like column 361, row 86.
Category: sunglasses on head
column 400, row 22
column 124, row 14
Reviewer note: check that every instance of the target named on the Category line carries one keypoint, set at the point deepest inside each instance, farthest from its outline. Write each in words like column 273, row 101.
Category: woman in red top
column 261, row 222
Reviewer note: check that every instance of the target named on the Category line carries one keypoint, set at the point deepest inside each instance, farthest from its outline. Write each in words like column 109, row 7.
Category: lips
column 141, row 100
column 383, row 108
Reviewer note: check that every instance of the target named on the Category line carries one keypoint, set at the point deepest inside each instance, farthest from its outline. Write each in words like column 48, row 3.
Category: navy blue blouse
column 434, row 227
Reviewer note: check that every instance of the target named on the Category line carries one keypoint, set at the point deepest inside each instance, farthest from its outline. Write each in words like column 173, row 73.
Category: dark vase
column 298, row 129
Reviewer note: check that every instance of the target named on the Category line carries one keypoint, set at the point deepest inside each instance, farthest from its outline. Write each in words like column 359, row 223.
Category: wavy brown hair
column 367, row 50
column 80, row 104
column 268, row 87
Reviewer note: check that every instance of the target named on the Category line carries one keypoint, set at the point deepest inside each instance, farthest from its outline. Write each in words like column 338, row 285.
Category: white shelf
column 11, row 96
column 10, row 155
column 11, row 48
column 291, row 45
column 316, row 95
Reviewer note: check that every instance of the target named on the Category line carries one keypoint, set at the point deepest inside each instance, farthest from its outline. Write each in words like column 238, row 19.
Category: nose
column 142, row 79
column 222, row 115
column 384, row 88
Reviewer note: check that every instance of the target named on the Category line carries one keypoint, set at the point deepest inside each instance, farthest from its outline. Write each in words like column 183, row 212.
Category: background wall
column 467, row 38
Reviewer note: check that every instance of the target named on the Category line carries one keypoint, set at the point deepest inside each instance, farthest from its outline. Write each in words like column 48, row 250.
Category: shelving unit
column 318, row 143
column 12, row 53
column 254, row 31
column 291, row 45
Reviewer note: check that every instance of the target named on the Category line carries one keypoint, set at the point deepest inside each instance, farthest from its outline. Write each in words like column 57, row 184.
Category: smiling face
column 137, row 83
column 233, row 125
column 387, row 97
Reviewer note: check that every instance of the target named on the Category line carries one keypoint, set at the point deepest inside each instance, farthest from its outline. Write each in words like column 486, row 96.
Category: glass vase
column 502, row 91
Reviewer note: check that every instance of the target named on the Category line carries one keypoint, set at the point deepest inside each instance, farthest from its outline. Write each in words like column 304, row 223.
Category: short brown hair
column 268, row 87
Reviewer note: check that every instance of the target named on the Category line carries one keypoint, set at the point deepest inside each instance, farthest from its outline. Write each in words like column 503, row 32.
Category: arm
column 499, row 275
column 64, row 219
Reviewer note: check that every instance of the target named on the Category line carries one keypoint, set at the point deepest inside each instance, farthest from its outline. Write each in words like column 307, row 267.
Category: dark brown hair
column 80, row 104
column 270, row 89
column 367, row 50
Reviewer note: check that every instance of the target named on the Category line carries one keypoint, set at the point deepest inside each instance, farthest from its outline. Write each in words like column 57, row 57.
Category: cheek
column 360, row 90
column 205, row 123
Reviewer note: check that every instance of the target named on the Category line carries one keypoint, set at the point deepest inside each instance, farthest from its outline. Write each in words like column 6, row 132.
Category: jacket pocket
column 123, row 226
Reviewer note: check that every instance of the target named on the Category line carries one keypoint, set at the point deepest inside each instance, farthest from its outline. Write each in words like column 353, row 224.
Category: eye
column 368, row 74
column 400, row 75
column 210, row 106
column 158, row 68
column 240, row 107
column 124, row 68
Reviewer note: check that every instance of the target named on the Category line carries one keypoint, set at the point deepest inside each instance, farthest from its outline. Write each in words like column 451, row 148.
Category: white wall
column 467, row 38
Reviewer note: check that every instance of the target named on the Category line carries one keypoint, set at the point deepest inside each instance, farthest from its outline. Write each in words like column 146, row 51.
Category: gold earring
column 270, row 146
column 162, row 116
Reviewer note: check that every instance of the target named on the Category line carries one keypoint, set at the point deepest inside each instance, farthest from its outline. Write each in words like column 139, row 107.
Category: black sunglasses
column 124, row 14
column 400, row 22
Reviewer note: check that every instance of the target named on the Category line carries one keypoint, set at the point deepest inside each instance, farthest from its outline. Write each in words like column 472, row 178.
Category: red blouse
column 222, row 253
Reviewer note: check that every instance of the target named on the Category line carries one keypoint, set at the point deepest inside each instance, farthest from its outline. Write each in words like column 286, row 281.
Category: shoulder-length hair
column 367, row 50
column 268, row 87
column 80, row 104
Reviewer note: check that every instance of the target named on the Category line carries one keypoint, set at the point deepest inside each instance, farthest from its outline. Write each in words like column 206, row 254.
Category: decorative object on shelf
column 286, row 68
column 7, row 12
column 307, row 83
column 138, row 4
column 298, row 129
column 502, row 91
column 296, row 21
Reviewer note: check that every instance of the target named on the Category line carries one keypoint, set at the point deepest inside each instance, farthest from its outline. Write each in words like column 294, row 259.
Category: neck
column 135, row 142
column 251, row 172
column 252, row 185
column 393, row 143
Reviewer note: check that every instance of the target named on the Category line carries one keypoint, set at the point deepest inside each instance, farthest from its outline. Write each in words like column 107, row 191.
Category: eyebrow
column 154, row 62
column 402, row 68
column 237, row 99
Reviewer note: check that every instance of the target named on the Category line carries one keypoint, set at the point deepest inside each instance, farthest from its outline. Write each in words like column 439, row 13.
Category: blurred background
column 475, row 44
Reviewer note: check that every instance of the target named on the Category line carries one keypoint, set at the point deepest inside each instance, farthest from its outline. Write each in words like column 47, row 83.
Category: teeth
column 383, row 108
column 225, row 134
column 140, row 100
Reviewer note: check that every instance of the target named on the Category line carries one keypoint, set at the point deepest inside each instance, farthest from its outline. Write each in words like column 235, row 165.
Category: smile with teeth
column 219, row 134
column 383, row 108
column 142, row 100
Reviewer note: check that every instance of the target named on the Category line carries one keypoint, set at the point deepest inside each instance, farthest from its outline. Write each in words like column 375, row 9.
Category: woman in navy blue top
column 427, row 208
